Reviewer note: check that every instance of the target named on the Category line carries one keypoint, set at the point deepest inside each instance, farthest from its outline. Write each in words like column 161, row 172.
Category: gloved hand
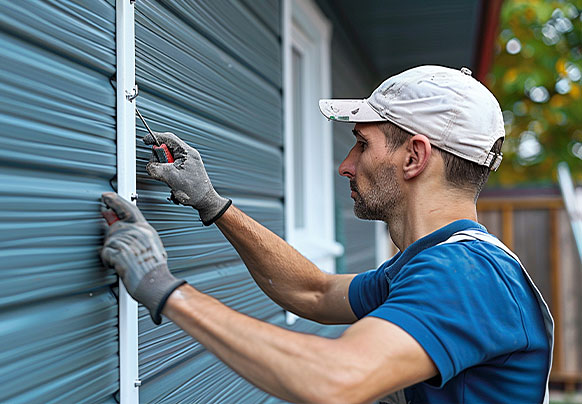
column 187, row 178
column 134, row 249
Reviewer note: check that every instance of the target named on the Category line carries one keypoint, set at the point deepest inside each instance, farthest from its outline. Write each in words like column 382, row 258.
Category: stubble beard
column 380, row 202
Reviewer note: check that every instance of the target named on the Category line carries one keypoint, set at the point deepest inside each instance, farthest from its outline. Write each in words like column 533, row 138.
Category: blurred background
column 535, row 74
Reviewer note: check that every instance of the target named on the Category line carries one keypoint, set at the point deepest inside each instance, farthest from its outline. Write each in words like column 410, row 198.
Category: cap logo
column 339, row 118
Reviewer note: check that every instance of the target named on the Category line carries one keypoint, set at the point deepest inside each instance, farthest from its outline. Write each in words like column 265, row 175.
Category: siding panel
column 57, row 122
column 211, row 83
column 209, row 72
column 67, row 357
column 223, row 22
column 268, row 12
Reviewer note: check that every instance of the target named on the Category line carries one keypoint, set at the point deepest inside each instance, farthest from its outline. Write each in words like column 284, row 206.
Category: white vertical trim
column 288, row 129
column 126, row 158
column 287, row 118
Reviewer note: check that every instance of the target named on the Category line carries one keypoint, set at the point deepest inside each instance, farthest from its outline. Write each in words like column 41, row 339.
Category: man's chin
column 362, row 212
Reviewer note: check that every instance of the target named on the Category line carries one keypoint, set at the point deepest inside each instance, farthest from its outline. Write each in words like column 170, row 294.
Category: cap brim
column 349, row 111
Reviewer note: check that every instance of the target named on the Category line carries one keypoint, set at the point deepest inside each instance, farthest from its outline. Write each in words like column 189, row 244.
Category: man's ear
column 418, row 151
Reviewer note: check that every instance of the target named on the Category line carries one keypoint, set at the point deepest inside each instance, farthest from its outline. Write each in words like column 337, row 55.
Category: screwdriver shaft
column 146, row 126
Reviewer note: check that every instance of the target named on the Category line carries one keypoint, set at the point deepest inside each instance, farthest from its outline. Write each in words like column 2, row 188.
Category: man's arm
column 284, row 274
column 371, row 359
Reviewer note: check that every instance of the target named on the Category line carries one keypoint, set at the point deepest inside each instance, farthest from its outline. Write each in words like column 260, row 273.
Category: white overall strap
column 467, row 235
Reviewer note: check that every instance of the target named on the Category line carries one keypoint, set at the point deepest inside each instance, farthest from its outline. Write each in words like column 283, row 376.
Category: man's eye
column 363, row 145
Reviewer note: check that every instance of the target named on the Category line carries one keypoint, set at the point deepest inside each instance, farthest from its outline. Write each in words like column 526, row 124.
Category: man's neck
column 423, row 216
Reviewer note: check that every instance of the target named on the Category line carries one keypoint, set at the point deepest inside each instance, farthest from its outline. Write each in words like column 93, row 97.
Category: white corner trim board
column 126, row 156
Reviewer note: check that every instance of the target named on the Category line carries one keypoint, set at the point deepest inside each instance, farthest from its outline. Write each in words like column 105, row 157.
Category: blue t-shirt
column 470, row 307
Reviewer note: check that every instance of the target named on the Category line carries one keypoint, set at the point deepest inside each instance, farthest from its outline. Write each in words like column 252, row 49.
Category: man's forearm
column 295, row 367
column 282, row 272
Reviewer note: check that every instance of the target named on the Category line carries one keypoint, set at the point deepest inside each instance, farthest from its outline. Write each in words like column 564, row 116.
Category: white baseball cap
column 452, row 109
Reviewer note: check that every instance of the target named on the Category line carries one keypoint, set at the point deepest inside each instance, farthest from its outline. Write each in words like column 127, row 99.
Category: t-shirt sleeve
column 459, row 310
column 367, row 291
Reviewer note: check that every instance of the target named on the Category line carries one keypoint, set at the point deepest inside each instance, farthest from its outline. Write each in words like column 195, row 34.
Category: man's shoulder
column 467, row 262
column 463, row 252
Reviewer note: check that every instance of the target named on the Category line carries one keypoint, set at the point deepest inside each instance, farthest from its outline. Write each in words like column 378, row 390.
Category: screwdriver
column 162, row 154
column 161, row 151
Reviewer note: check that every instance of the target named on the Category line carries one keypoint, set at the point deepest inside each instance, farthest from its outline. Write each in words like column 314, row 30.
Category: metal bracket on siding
column 137, row 383
column 133, row 95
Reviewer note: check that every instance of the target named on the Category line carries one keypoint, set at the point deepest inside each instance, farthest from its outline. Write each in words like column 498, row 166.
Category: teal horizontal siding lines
column 211, row 83
column 59, row 332
column 233, row 27
column 209, row 71
column 250, row 160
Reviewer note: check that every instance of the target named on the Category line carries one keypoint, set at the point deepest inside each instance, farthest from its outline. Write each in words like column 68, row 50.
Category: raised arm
column 284, row 274
column 281, row 272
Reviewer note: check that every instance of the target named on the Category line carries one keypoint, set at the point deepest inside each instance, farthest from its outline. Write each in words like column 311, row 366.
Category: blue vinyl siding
column 59, row 332
column 209, row 71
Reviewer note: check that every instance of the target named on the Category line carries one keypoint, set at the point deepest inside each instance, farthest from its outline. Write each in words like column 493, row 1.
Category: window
column 309, row 170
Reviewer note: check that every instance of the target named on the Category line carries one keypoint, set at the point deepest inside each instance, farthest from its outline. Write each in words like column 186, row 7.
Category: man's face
column 371, row 169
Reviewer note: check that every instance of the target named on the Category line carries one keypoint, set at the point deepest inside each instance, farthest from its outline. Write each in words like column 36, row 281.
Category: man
column 451, row 318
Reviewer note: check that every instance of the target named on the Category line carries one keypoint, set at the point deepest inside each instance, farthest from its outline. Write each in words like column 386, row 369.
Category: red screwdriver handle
column 109, row 216
column 163, row 154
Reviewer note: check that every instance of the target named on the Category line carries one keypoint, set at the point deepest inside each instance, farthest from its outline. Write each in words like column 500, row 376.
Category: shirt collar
column 393, row 266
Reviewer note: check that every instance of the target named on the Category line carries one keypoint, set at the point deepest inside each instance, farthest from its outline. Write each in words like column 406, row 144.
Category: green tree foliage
column 537, row 77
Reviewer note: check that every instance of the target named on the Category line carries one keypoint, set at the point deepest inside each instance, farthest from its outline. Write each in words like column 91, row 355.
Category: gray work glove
column 134, row 249
column 187, row 178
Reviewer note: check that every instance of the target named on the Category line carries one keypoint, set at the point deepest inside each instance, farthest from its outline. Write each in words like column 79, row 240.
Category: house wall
column 58, row 310
column 209, row 71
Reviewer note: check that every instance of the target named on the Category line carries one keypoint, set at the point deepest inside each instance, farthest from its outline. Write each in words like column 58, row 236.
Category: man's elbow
column 337, row 387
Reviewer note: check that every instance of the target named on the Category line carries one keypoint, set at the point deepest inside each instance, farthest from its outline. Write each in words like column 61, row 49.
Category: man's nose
column 347, row 167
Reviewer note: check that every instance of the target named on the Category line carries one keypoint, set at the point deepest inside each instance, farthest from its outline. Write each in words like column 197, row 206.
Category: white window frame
column 306, row 29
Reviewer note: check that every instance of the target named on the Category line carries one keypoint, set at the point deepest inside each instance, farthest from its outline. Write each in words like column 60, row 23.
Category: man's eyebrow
column 357, row 133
